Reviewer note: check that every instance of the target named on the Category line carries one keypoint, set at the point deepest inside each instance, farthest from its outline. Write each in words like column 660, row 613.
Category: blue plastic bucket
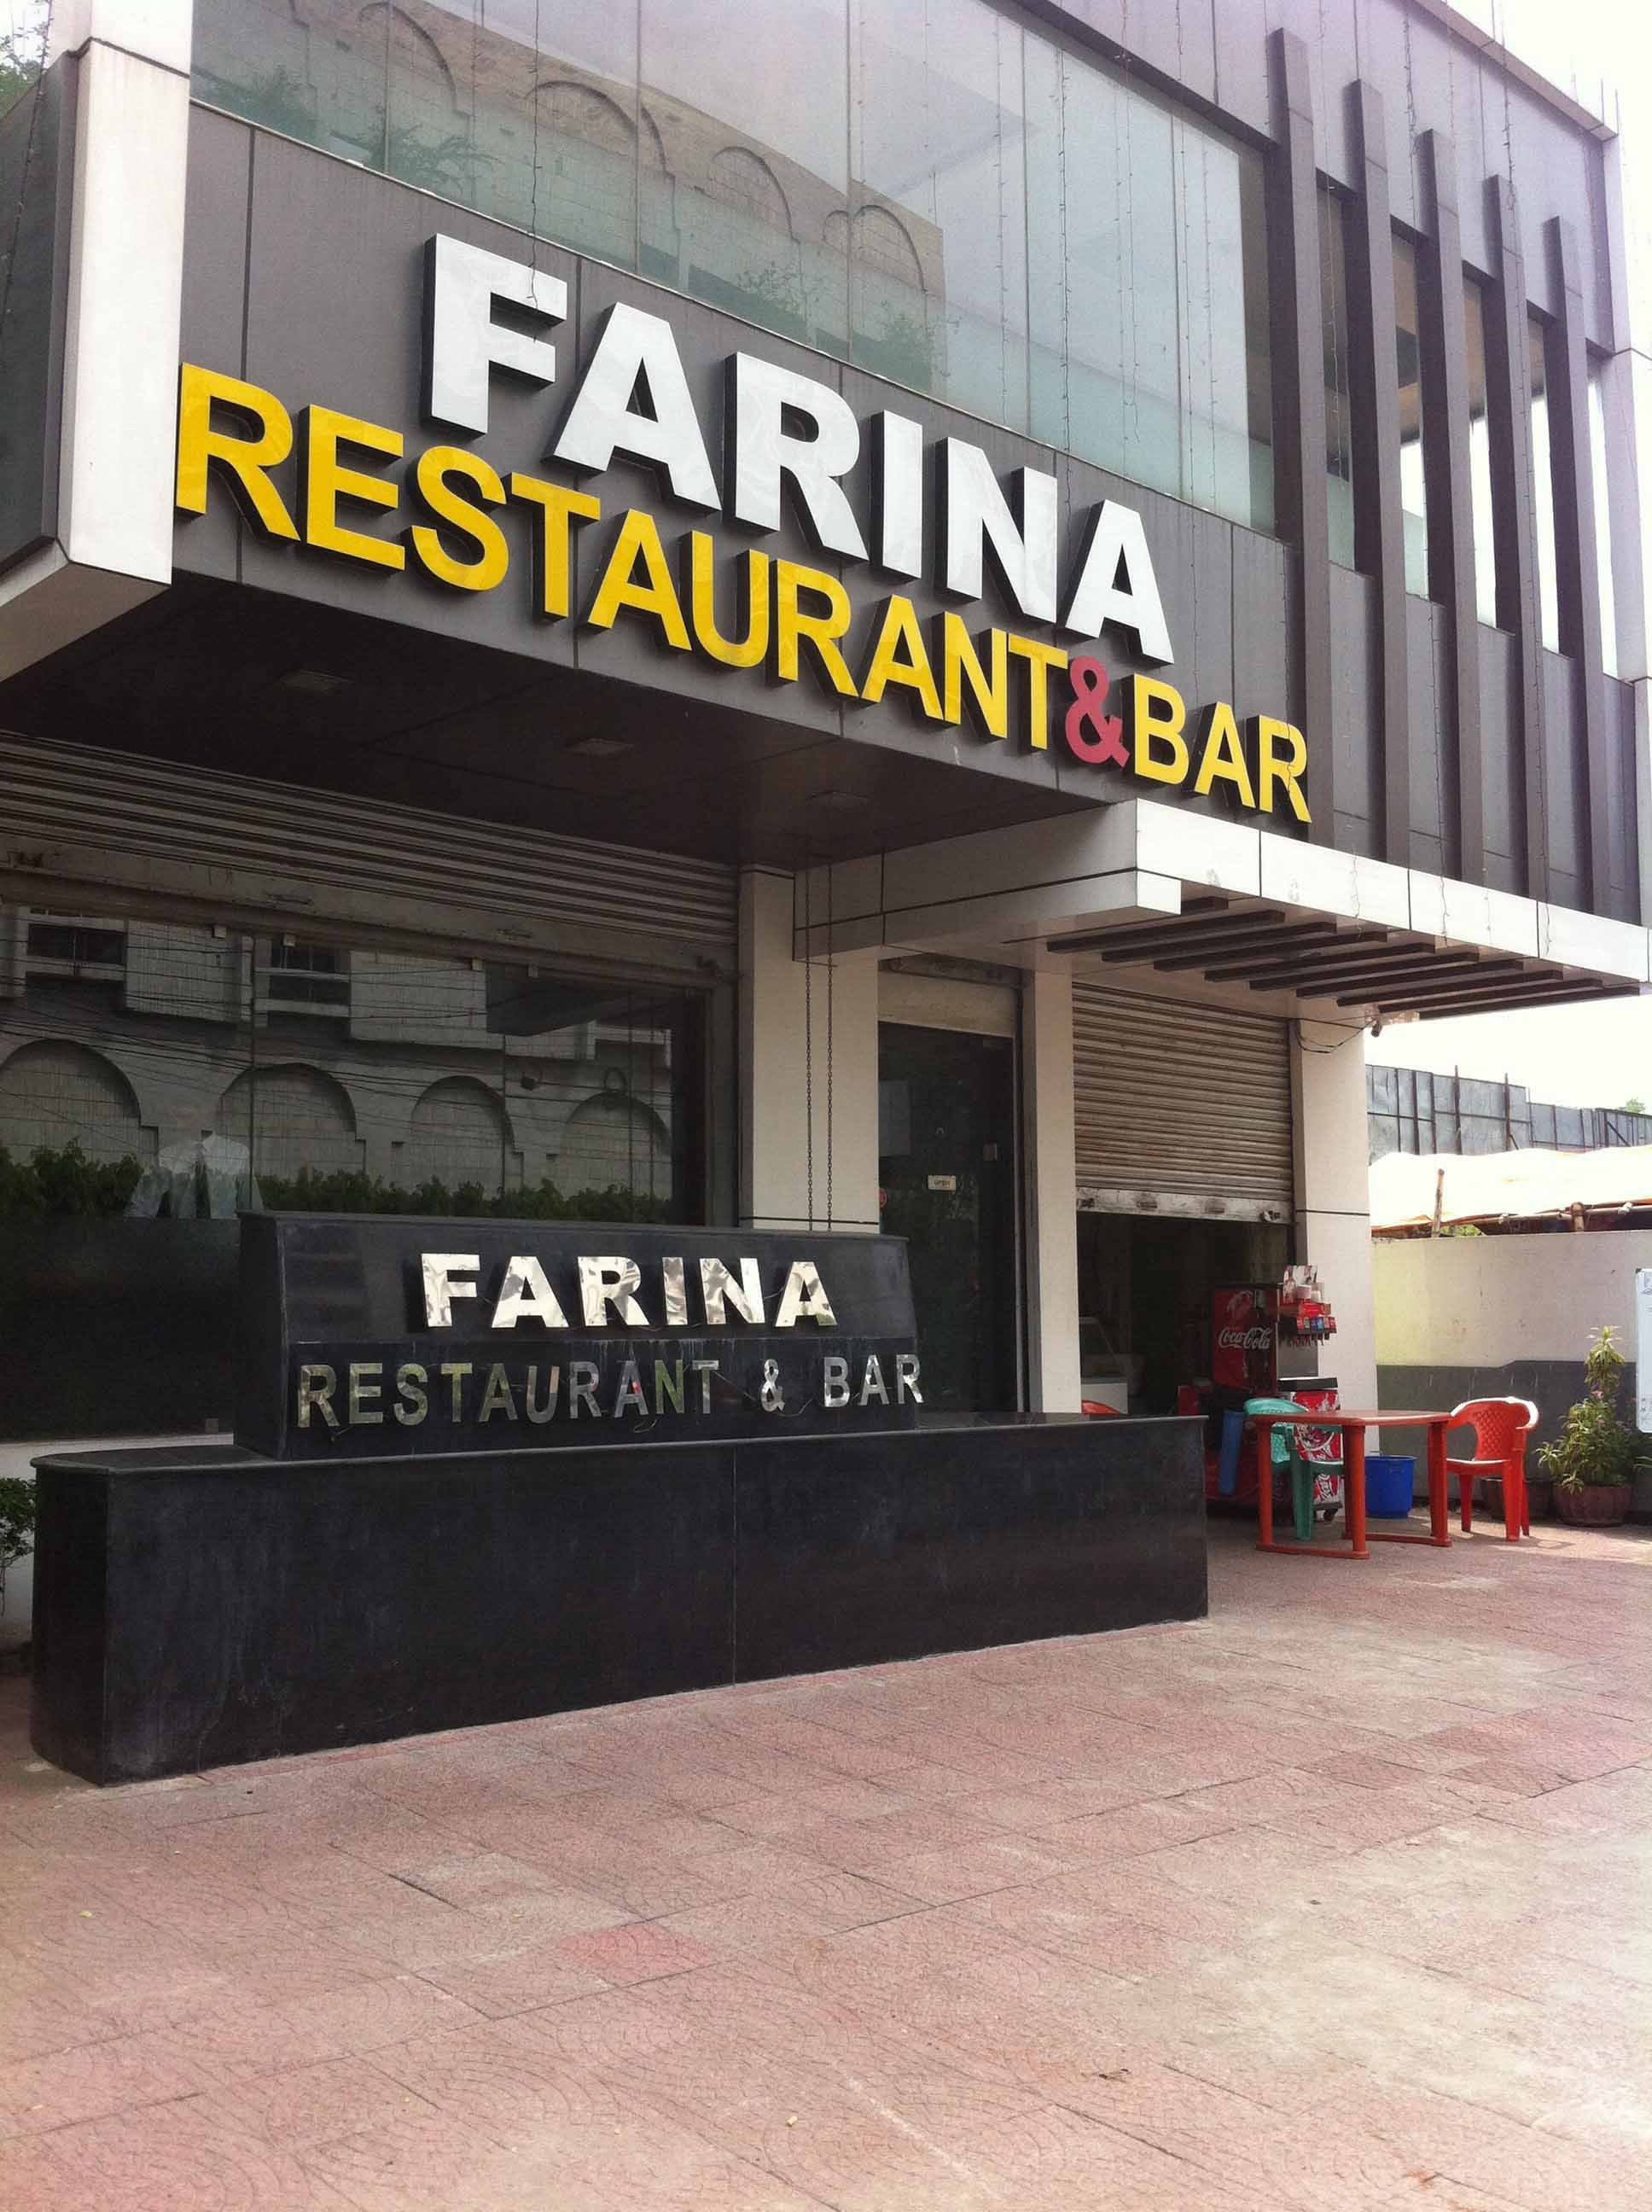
column 1390, row 1478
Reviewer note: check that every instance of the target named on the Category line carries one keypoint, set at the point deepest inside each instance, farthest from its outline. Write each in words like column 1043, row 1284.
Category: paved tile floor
column 1341, row 1899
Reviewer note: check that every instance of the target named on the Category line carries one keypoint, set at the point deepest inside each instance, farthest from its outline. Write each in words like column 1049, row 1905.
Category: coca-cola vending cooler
column 1248, row 1323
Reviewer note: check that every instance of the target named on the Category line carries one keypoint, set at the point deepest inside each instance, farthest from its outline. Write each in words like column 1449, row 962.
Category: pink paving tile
column 513, row 1977
column 1279, row 1790
column 969, row 1870
column 255, row 1947
column 1019, row 1809
column 1363, row 1817
column 92, row 2078
column 1362, row 1770
column 642, row 1951
column 308, row 2104
column 1152, row 1825
column 169, row 2158
column 1511, row 1776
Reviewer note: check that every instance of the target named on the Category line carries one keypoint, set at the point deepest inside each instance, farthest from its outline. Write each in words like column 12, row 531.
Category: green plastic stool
column 1282, row 1443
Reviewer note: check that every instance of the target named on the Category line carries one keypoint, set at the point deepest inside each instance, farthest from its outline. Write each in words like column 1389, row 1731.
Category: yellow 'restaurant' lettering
column 652, row 593
column 327, row 477
column 1158, row 749
column 1281, row 756
column 245, row 461
column 793, row 627
column 989, row 688
column 559, row 510
column 433, row 473
column 899, row 656
column 750, row 651
column 774, row 612
column 1040, row 659
column 1222, row 757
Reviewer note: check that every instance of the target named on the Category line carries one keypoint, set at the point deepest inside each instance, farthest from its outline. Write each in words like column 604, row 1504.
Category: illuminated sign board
column 789, row 443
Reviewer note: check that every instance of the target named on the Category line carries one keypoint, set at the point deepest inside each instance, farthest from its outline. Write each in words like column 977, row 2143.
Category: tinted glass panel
column 928, row 187
column 167, row 1067
column 747, row 205
column 938, row 234
column 1479, row 454
column 1338, row 408
column 1414, row 477
column 1543, row 477
column 1603, row 522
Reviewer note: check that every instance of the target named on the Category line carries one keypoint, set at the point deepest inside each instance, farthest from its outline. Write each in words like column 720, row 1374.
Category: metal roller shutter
column 1177, row 1106
column 73, row 816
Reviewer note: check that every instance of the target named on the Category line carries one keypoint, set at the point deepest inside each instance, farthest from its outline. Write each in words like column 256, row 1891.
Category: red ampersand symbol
column 1090, row 682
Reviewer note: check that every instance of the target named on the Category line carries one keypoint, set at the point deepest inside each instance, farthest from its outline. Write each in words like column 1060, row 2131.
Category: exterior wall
column 809, row 1074
column 1333, row 1217
column 1460, row 1317
column 1051, row 1210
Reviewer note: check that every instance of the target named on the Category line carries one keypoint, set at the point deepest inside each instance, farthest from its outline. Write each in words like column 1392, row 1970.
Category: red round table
column 1353, row 1424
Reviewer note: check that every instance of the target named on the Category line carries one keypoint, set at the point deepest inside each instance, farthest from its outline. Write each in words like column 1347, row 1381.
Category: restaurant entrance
column 947, row 1180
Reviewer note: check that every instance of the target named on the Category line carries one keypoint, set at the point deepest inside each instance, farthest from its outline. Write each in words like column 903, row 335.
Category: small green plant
column 16, row 1524
column 55, row 1182
column 1596, row 1449
column 23, row 56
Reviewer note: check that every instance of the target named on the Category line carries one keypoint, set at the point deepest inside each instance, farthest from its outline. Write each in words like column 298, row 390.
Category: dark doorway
column 946, row 1164
column 1146, row 1283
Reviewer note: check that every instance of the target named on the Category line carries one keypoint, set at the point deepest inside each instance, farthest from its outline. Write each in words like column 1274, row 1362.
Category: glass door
column 946, row 1168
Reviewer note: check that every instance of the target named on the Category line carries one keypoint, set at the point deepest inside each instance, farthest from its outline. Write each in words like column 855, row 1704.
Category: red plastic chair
column 1501, row 1426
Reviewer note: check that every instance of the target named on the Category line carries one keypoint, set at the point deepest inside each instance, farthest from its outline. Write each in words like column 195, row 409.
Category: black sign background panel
column 333, row 1290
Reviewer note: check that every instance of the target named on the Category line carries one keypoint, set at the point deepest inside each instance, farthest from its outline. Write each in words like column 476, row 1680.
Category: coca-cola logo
column 1244, row 1340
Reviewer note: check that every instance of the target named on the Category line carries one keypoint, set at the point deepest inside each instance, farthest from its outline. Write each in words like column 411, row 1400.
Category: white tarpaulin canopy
column 1506, row 1185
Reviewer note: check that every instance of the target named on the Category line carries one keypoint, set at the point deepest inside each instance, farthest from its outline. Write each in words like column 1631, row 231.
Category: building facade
column 838, row 614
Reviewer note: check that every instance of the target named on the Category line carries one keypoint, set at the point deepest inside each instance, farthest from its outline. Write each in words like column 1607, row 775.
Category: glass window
column 1147, row 283
column 1413, row 473
column 938, row 233
column 167, row 1067
column 1603, row 520
column 1479, row 454
column 936, row 192
column 1537, row 370
column 1339, row 404
column 749, row 208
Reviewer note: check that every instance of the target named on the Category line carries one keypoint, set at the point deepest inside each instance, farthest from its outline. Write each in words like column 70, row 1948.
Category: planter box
column 1596, row 1505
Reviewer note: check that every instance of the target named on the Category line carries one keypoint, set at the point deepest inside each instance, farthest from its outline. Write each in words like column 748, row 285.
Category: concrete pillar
column 1333, row 1205
column 113, row 546
column 795, row 1020
column 1052, row 1208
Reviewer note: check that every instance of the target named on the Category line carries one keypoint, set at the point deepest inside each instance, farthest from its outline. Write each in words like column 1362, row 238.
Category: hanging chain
column 831, row 996
column 809, row 1036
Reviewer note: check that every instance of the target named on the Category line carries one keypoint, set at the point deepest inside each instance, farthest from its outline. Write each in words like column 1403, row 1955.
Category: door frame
column 990, row 1002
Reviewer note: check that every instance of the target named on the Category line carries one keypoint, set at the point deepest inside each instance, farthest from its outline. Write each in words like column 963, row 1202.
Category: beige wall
column 1488, row 1301
column 1334, row 1207
column 792, row 1024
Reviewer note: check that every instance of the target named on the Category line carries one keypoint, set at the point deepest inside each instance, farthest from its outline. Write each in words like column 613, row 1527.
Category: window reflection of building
column 1339, row 385
column 1479, row 452
column 1548, row 599
column 354, row 1076
column 1598, row 469
column 943, row 195
column 1408, row 365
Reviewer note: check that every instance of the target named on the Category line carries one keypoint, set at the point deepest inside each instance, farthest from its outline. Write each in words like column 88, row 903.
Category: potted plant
column 1594, row 1458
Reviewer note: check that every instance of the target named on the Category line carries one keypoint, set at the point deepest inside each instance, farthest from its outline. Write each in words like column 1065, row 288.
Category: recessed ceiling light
column 601, row 748
column 318, row 681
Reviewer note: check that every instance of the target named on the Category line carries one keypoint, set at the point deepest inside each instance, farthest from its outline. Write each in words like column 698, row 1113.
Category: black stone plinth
column 199, row 1606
